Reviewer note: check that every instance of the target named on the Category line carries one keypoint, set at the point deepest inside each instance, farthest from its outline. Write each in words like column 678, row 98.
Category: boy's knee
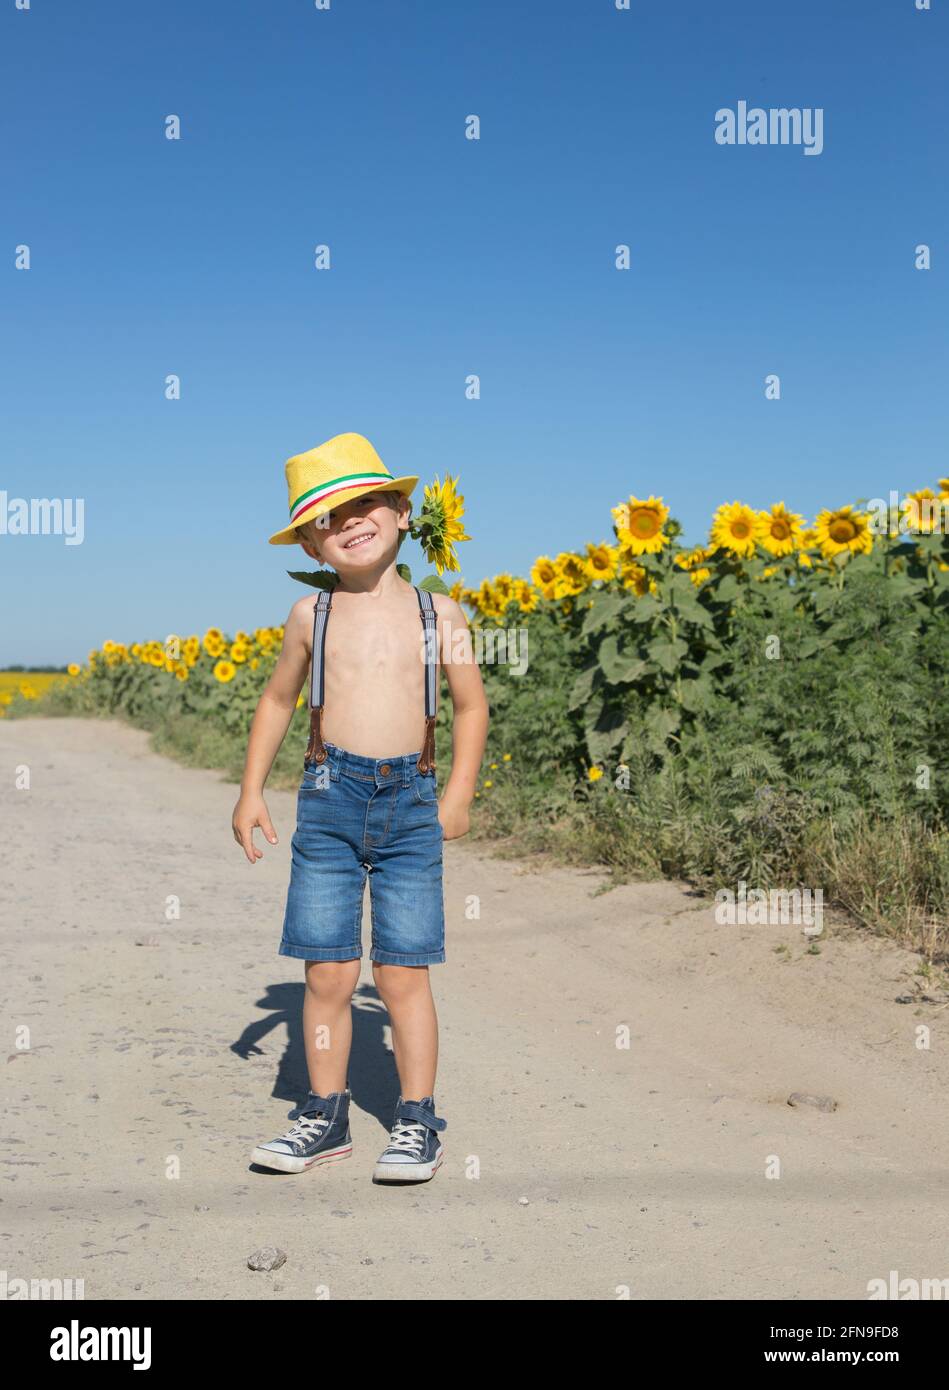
column 397, row 981
column 332, row 979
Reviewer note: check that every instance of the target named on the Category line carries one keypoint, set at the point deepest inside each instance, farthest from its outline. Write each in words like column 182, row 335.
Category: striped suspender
column 316, row 750
column 426, row 759
column 321, row 612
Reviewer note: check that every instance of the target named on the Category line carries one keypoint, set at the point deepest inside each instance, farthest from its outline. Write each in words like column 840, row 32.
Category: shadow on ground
column 373, row 1078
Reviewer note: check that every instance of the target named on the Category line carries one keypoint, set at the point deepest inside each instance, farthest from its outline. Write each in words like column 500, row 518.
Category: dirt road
column 163, row 1047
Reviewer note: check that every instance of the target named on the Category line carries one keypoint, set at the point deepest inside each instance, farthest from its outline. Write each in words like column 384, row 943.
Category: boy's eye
column 369, row 499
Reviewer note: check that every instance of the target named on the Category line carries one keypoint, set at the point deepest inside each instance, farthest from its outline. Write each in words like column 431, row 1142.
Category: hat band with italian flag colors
column 308, row 500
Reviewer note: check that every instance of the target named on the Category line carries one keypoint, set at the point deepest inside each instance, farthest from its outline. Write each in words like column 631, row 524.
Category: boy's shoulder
column 303, row 608
column 447, row 608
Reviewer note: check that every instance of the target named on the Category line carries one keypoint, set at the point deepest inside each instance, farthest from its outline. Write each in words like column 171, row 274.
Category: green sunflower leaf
column 317, row 579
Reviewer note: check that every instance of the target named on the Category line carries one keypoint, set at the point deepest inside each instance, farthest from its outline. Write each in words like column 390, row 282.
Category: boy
column 367, row 806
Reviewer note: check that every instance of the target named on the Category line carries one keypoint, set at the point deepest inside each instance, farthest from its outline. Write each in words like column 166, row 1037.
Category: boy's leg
column 328, row 1022
column 406, row 992
column 320, row 1131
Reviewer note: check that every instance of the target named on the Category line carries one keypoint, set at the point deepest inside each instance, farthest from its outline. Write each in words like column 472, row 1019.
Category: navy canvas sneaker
column 414, row 1152
column 320, row 1134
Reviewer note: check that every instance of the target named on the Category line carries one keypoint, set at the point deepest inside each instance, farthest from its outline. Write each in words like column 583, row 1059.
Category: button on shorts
column 360, row 818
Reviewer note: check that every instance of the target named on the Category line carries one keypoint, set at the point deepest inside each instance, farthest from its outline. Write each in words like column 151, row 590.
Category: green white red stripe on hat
column 311, row 498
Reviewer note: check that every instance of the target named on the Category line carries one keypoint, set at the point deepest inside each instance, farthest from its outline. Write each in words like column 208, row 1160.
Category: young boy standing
column 367, row 807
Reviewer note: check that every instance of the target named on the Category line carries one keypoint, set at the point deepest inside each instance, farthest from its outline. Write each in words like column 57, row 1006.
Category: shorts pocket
column 317, row 781
column 424, row 788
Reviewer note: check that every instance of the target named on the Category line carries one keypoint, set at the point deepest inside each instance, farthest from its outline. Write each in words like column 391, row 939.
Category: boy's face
column 359, row 534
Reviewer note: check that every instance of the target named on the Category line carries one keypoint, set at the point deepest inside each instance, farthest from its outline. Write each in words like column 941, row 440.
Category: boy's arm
column 269, row 728
column 470, row 715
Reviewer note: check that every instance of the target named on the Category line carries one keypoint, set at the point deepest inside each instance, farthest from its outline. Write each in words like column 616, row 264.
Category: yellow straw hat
column 345, row 467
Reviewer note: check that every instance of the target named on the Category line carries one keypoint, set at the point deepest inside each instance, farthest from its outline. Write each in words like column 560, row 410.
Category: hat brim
column 288, row 536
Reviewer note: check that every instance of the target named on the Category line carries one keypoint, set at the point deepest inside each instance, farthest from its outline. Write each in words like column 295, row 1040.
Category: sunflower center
column 643, row 523
column 741, row 530
column 842, row 531
column 780, row 530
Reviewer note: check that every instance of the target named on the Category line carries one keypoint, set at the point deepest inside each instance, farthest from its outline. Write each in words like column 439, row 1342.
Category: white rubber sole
column 287, row 1163
column 408, row 1172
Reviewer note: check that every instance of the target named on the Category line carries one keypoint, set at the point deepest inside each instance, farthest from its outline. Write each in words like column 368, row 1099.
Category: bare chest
column 373, row 650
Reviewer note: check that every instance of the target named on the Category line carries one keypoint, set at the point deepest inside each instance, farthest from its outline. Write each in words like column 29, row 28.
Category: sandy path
column 642, row 1168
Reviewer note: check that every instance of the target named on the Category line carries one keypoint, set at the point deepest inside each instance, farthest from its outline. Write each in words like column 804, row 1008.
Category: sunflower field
column 768, row 706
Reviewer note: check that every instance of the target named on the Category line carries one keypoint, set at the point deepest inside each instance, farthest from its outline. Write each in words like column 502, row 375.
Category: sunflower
column 225, row 671
column 526, row 595
column 571, row 576
column 639, row 524
column 213, row 642
column 594, row 774
column 488, row 600
column 439, row 524
column 239, row 652
column 503, row 590
column 737, row 528
column 181, row 673
column 601, row 561
column 921, row 511
column 843, row 530
column 944, row 487
column 693, row 562
column 544, row 575
column 456, row 592
column 781, row 530
column 632, row 576
column 689, row 559
column 73, row 669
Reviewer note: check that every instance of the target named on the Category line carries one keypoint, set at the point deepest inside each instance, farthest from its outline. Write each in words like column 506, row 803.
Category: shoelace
column 307, row 1127
column 407, row 1137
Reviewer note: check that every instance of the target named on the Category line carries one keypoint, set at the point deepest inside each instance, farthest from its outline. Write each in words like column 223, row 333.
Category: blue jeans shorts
column 360, row 818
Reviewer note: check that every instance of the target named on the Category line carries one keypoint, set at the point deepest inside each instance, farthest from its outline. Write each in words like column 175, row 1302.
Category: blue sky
column 450, row 257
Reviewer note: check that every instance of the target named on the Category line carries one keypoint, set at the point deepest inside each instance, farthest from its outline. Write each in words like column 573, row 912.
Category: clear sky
column 450, row 257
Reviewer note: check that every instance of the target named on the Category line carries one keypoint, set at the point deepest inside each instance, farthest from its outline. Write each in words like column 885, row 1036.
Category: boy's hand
column 250, row 812
column 454, row 817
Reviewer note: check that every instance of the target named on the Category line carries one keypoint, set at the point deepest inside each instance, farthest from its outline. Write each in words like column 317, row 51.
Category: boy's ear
column 311, row 550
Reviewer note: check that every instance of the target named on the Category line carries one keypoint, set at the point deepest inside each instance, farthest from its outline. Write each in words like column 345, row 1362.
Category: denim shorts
column 360, row 818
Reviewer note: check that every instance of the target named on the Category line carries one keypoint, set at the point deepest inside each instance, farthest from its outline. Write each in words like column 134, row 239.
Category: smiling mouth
column 358, row 540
